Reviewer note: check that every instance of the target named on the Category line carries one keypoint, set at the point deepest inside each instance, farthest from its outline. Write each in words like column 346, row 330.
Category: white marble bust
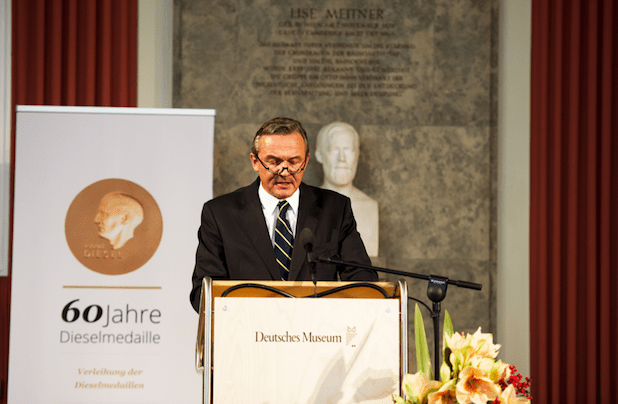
column 337, row 150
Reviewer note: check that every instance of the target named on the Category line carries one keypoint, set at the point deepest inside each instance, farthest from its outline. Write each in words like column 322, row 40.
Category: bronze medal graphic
column 113, row 226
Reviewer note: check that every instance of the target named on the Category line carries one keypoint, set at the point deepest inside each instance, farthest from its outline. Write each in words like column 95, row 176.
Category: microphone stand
column 307, row 240
column 312, row 262
column 436, row 292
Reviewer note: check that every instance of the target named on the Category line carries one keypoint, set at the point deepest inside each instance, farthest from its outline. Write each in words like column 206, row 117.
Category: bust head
column 119, row 214
column 337, row 149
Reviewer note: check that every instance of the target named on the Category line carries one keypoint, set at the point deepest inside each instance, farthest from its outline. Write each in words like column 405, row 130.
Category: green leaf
column 445, row 372
column 445, row 368
column 423, row 361
column 448, row 328
column 411, row 395
column 399, row 400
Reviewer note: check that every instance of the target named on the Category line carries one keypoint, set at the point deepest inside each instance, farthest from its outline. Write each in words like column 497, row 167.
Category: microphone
column 307, row 240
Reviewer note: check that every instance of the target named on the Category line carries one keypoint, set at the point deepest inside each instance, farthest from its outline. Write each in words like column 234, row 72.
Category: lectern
column 296, row 342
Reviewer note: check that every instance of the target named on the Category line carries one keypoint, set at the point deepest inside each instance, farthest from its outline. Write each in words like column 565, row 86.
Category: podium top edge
column 302, row 288
column 115, row 110
column 295, row 284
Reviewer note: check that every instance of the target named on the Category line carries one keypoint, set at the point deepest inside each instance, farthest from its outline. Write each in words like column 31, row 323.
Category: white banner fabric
column 107, row 207
column 305, row 350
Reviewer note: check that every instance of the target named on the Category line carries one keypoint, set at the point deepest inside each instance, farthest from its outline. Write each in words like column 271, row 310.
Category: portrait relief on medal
column 118, row 216
column 113, row 226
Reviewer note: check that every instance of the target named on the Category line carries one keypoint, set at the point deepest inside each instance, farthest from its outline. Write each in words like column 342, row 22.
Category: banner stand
column 107, row 202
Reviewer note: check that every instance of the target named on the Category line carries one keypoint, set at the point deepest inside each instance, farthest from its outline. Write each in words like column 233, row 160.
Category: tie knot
column 283, row 207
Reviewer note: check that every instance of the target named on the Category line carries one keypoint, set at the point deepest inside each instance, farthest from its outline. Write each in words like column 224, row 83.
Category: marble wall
column 417, row 79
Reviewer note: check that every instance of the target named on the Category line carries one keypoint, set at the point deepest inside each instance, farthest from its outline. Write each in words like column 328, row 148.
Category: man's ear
column 254, row 162
column 125, row 218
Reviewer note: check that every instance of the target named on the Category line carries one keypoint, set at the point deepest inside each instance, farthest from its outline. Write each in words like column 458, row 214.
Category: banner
column 107, row 207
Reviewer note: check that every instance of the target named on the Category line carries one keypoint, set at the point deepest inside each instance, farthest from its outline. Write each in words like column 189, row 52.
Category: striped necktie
column 284, row 241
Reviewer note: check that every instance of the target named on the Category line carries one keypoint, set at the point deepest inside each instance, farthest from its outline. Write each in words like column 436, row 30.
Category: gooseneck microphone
column 307, row 240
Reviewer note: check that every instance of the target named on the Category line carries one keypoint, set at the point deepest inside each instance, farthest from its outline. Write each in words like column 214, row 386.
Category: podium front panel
column 305, row 350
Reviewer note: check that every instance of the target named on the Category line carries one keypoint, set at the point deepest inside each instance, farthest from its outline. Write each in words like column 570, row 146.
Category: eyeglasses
column 293, row 168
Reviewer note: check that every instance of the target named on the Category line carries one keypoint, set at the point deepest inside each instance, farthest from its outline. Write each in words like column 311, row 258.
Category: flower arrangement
column 469, row 372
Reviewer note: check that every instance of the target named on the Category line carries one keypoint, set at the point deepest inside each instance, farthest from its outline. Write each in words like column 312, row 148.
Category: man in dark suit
column 240, row 236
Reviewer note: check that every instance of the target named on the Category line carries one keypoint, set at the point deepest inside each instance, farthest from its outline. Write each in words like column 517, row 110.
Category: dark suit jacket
column 234, row 242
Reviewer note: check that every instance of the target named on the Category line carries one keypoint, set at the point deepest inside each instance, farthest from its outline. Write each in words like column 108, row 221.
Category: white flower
column 475, row 387
column 509, row 396
column 446, row 394
column 417, row 386
column 484, row 344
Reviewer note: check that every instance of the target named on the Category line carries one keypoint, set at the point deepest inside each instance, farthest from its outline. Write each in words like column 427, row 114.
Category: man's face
column 280, row 151
column 339, row 157
column 109, row 218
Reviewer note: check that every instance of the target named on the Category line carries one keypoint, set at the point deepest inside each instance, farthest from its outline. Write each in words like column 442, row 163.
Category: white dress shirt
column 270, row 209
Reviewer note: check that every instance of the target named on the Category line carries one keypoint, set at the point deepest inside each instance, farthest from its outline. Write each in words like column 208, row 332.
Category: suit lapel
column 308, row 214
column 253, row 220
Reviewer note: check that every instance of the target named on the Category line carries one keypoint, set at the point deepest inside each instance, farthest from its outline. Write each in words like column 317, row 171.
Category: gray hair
column 279, row 126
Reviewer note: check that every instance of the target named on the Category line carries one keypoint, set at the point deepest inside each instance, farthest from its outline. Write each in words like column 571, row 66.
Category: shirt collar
column 269, row 202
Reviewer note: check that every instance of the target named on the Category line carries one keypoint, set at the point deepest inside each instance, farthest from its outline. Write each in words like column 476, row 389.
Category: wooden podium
column 337, row 342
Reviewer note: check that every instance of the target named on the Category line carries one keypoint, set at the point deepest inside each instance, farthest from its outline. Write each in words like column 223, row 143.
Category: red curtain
column 73, row 53
column 574, row 200
column 70, row 52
